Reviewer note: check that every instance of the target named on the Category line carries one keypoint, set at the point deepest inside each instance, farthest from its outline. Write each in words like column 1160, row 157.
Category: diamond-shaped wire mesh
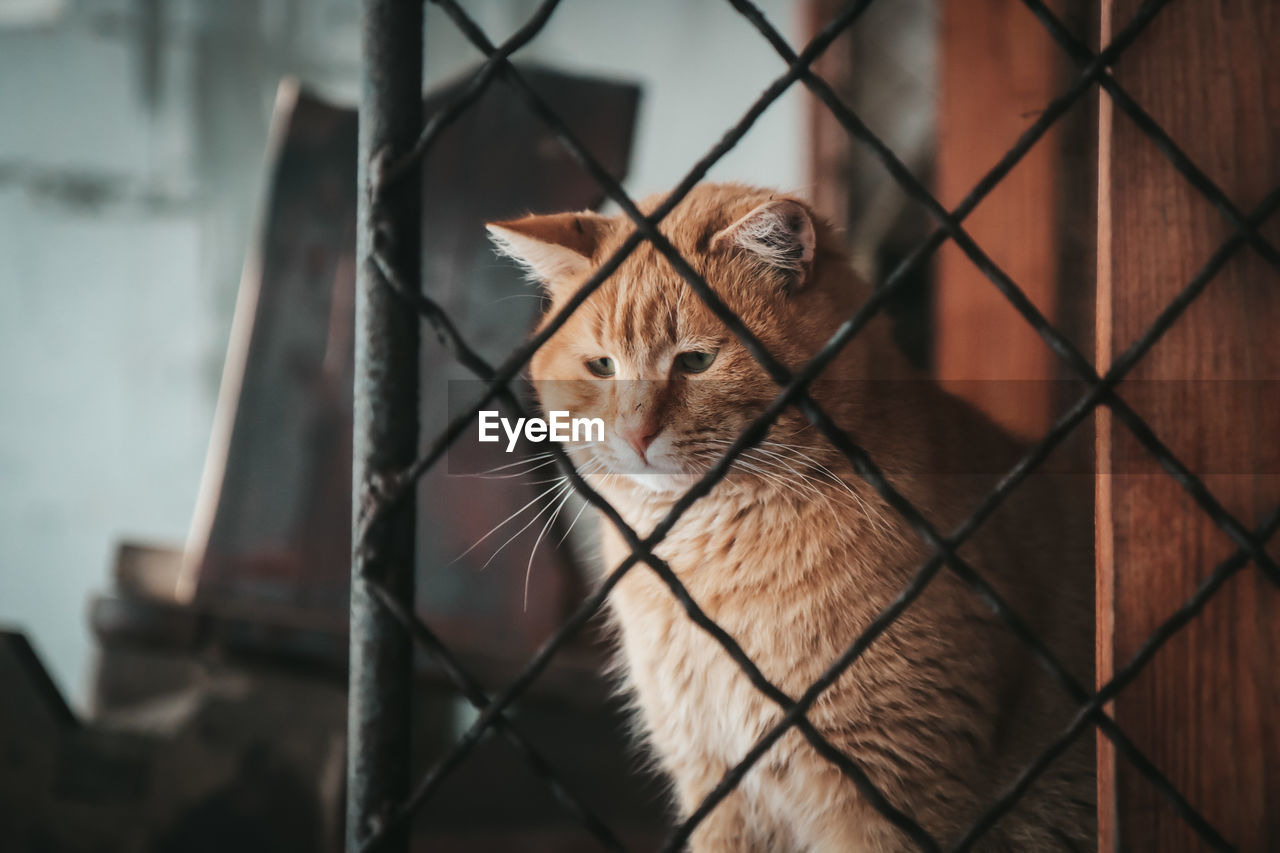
column 793, row 391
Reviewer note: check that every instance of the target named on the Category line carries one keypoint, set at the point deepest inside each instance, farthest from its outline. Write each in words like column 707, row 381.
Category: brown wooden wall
column 1207, row 708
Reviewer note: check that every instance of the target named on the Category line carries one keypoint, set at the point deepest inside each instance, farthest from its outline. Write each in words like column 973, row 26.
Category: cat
column 794, row 555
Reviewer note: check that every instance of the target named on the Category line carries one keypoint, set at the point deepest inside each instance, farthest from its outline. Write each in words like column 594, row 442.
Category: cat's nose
column 640, row 435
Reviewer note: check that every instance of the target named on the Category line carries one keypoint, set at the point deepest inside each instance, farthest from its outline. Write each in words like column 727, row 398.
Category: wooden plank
column 882, row 67
column 273, row 519
column 1207, row 708
column 269, row 516
column 830, row 159
column 998, row 68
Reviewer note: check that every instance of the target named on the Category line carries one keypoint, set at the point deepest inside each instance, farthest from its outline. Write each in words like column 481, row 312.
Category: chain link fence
column 382, row 798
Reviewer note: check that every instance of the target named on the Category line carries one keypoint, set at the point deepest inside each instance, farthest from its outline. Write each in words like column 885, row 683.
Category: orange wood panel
column 998, row 69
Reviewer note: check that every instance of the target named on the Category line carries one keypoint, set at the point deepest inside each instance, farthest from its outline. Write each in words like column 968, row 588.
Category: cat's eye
column 695, row 362
column 602, row 366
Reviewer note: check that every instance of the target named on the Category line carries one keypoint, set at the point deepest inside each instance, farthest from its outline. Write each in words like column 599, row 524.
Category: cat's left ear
column 779, row 235
column 555, row 249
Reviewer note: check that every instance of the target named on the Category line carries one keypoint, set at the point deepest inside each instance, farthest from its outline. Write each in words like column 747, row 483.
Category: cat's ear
column 779, row 235
column 554, row 248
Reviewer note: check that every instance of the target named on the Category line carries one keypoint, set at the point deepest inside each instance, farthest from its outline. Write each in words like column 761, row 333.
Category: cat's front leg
column 730, row 827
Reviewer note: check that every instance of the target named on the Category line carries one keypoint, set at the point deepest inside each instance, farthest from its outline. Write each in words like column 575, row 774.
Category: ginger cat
column 793, row 554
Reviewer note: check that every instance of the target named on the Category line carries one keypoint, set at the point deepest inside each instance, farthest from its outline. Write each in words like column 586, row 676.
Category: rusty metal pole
column 385, row 427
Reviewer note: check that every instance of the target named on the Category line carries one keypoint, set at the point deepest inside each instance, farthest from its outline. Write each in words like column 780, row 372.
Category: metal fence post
column 385, row 425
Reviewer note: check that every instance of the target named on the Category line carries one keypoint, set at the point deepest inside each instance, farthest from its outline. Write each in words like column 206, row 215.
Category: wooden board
column 882, row 68
column 998, row 68
column 1207, row 708
column 273, row 519
column 268, row 492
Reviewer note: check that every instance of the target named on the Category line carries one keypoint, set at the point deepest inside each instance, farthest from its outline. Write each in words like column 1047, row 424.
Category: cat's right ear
column 779, row 236
column 554, row 249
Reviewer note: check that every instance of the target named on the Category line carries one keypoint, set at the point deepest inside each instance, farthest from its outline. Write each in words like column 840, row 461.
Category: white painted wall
column 105, row 336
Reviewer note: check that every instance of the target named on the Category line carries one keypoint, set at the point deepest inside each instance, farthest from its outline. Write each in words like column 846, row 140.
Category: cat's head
column 644, row 353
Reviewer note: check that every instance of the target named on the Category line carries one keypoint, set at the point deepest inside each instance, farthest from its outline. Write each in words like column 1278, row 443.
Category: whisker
column 522, row 461
column 782, row 460
column 528, row 569
column 546, row 457
column 575, row 520
column 512, row 476
column 761, row 472
column 875, row 516
column 775, row 475
column 500, row 524
column 564, row 487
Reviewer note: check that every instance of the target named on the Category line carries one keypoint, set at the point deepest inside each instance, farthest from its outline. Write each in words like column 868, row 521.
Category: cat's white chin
column 662, row 481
